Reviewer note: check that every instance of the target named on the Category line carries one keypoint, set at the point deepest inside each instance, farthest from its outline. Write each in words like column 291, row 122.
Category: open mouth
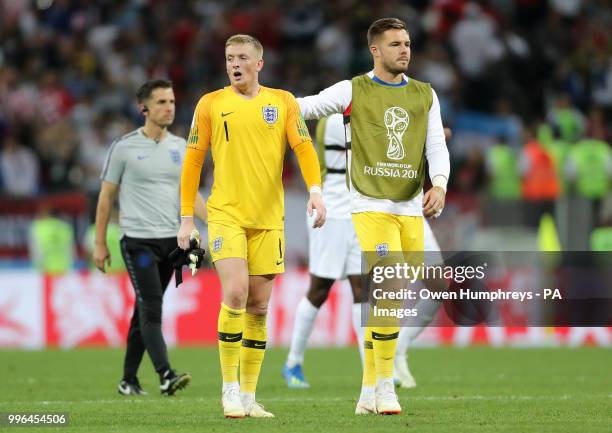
column 237, row 74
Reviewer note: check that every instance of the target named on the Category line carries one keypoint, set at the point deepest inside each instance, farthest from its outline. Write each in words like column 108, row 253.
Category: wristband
column 315, row 188
column 439, row 181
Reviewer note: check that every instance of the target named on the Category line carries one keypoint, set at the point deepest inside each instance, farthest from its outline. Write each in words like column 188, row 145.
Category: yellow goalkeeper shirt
column 248, row 139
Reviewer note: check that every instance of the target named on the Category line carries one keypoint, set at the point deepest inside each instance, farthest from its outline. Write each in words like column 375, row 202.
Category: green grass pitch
column 476, row 389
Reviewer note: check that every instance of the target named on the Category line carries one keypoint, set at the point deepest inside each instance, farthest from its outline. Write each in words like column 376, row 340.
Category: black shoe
column 172, row 382
column 130, row 388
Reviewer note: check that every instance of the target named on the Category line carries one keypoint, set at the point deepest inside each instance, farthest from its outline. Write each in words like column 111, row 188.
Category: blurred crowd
column 525, row 85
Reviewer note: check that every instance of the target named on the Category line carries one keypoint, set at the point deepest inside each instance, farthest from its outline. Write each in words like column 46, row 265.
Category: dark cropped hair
column 378, row 27
column 147, row 88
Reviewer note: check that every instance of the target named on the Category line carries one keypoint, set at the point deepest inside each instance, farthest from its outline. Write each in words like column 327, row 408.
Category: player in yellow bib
column 247, row 126
column 392, row 127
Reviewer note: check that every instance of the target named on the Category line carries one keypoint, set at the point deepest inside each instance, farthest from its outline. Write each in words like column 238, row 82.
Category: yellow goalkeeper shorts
column 381, row 234
column 264, row 250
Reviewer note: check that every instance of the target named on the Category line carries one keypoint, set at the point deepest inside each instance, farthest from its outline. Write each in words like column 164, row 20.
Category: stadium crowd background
column 521, row 84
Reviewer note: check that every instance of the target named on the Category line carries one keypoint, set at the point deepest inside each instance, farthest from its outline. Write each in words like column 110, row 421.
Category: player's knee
column 317, row 297
column 235, row 294
column 319, row 290
column 151, row 311
column 257, row 308
column 235, row 299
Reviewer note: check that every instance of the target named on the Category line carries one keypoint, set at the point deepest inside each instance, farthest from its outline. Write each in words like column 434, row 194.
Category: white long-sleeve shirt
column 337, row 99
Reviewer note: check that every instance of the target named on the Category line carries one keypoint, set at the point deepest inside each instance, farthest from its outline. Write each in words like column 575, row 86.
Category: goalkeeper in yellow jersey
column 247, row 126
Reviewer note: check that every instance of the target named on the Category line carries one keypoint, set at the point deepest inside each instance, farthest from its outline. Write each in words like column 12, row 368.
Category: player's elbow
column 105, row 200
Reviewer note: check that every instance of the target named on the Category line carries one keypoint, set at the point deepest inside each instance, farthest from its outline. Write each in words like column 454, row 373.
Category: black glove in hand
column 192, row 257
column 196, row 259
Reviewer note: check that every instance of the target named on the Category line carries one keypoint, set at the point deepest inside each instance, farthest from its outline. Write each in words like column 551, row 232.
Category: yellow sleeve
column 301, row 143
column 197, row 146
column 309, row 163
column 297, row 132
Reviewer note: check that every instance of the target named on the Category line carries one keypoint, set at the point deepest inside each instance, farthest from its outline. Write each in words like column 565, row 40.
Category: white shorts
column 334, row 250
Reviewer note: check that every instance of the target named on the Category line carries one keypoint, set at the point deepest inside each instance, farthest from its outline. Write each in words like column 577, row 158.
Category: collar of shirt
column 384, row 83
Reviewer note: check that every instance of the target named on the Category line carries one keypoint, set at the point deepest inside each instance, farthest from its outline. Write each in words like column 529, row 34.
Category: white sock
column 367, row 392
column 247, row 398
column 227, row 385
column 305, row 316
column 413, row 327
column 359, row 330
column 380, row 383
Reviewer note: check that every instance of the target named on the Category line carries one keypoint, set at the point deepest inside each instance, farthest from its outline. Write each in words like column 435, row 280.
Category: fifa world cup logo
column 396, row 121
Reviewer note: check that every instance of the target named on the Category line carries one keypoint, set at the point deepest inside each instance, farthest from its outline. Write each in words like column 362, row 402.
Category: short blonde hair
column 245, row 39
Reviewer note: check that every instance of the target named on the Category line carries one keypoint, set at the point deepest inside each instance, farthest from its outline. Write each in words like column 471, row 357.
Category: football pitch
column 475, row 389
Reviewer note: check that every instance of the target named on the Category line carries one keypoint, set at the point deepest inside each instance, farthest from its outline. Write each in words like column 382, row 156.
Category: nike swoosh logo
column 139, row 157
column 279, row 262
column 226, row 114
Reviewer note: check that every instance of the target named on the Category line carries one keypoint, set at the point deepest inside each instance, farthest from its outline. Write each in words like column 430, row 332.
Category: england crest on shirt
column 175, row 156
column 270, row 114
column 382, row 250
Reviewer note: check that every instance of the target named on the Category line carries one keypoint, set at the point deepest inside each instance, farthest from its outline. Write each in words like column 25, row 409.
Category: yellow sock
column 369, row 368
column 230, row 327
column 384, row 339
column 252, row 351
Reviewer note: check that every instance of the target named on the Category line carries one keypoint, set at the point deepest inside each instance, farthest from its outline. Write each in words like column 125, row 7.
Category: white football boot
column 252, row 408
column 386, row 398
column 230, row 399
column 367, row 402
